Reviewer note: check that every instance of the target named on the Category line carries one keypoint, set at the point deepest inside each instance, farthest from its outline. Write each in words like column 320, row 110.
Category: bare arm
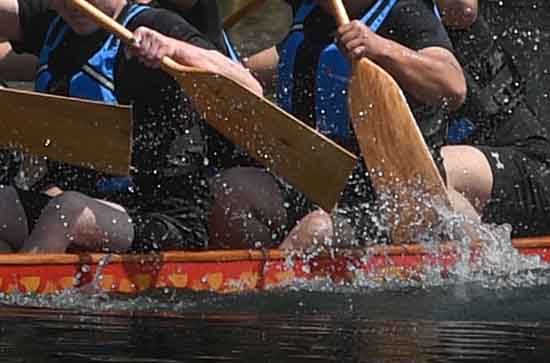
column 9, row 20
column 431, row 75
column 153, row 46
column 263, row 65
column 458, row 14
column 216, row 62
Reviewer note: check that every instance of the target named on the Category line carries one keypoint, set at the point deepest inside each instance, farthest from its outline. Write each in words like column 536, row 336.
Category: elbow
column 468, row 16
column 460, row 15
column 456, row 95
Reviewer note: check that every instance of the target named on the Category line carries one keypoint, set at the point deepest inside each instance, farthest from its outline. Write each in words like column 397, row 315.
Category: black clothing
column 496, row 101
column 170, row 150
column 521, row 191
column 514, row 141
column 204, row 15
column 523, row 30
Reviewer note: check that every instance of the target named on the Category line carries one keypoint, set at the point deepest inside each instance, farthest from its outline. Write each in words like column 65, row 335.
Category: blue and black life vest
column 95, row 80
column 496, row 91
column 333, row 71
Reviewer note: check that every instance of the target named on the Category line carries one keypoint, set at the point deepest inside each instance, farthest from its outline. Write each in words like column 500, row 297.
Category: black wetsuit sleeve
column 35, row 17
column 204, row 15
column 414, row 24
column 133, row 78
column 173, row 25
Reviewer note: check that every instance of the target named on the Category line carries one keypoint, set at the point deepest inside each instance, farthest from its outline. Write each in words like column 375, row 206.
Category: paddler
column 164, row 204
column 202, row 14
column 501, row 159
column 404, row 37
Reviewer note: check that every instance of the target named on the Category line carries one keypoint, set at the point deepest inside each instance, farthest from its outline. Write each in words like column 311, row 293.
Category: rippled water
column 463, row 323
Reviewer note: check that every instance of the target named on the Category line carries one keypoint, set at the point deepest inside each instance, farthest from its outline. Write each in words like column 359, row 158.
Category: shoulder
column 170, row 23
column 416, row 24
column 410, row 10
column 35, row 17
column 156, row 18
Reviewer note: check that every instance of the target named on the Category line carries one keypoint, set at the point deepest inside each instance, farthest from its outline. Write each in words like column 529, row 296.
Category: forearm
column 432, row 75
column 263, row 65
column 216, row 62
column 458, row 14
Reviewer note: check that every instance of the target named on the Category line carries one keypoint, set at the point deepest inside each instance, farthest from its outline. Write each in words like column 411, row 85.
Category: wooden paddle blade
column 402, row 169
column 83, row 133
column 311, row 162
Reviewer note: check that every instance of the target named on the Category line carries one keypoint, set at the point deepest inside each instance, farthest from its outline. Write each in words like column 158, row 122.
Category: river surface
column 498, row 317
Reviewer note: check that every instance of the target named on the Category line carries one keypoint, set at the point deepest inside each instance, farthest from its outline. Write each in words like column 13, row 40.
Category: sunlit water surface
column 495, row 310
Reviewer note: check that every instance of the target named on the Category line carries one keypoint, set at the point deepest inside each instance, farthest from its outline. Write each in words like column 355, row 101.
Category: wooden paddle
column 85, row 133
column 402, row 169
column 306, row 159
column 231, row 20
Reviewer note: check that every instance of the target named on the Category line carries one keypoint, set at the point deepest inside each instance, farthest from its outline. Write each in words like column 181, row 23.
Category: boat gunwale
column 245, row 255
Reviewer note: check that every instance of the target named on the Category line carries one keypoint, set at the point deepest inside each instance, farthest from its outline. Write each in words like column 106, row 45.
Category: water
column 497, row 312
column 463, row 323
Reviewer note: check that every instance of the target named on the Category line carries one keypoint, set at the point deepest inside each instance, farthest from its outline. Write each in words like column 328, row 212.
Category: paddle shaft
column 105, row 21
column 121, row 32
column 339, row 12
column 231, row 20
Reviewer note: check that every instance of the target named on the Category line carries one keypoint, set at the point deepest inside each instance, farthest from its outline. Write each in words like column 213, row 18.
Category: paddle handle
column 124, row 34
column 104, row 21
column 339, row 12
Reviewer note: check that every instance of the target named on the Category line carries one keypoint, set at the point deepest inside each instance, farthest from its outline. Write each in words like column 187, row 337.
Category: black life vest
column 495, row 112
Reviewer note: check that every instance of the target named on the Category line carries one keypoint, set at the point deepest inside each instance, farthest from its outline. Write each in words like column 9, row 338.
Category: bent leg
column 314, row 229
column 13, row 220
column 320, row 228
column 74, row 218
column 469, row 174
column 248, row 209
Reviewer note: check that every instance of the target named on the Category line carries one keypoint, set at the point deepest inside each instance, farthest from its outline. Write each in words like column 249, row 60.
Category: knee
column 251, row 190
column 238, row 183
column 71, row 208
column 68, row 204
column 315, row 228
column 318, row 225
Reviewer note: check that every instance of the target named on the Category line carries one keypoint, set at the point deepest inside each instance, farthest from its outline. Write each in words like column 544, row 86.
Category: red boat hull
column 227, row 271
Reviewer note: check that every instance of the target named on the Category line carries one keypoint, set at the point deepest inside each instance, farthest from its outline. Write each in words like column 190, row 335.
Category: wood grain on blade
column 395, row 152
column 308, row 160
column 83, row 133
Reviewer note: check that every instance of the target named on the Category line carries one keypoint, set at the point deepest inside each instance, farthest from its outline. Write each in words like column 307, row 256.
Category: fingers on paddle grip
column 135, row 41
